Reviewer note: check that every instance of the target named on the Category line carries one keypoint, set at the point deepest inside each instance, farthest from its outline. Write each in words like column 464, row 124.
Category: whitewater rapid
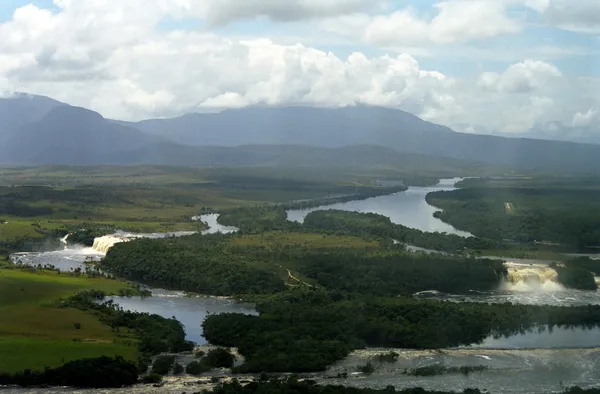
column 104, row 243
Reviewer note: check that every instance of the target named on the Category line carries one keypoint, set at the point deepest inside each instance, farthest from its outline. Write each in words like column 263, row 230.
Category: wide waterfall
column 531, row 277
column 104, row 243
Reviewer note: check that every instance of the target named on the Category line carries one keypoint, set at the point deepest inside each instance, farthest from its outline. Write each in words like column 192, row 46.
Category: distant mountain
column 45, row 131
column 365, row 125
column 560, row 132
column 72, row 135
column 324, row 127
column 20, row 109
column 77, row 136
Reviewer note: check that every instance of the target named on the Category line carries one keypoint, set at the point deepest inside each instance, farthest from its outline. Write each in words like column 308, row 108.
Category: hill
column 363, row 125
column 20, row 109
column 39, row 130
column 72, row 135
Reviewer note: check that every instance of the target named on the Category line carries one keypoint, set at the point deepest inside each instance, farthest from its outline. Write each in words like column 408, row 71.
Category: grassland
column 35, row 333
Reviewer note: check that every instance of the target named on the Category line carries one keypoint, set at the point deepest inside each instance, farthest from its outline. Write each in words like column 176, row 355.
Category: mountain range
column 40, row 130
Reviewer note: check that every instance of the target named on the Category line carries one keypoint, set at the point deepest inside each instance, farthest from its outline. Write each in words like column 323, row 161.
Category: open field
column 36, row 333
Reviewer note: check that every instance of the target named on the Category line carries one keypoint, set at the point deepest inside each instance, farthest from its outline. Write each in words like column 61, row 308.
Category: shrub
column 196, row 368
column 163, row 364
column 153, row 378
column 178, row 369
column 219, row 358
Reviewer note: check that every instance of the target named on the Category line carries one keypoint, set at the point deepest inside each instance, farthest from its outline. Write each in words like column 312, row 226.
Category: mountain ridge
column 78, row 136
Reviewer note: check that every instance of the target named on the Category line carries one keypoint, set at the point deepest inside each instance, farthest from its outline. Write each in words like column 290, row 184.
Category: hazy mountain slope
column 72, row 135
column 20, row 109
column 323, row 127
column 371, row 126
column 285, row 155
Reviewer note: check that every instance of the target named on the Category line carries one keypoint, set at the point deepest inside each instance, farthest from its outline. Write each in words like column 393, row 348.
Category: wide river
column 543, row 361
column 408, row 208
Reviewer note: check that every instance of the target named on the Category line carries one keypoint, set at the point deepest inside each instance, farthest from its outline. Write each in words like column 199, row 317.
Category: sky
column 484, row 66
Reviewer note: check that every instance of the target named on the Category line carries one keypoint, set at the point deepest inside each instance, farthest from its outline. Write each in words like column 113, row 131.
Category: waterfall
column 104, row 243
column 63, row 240
column 531, row 277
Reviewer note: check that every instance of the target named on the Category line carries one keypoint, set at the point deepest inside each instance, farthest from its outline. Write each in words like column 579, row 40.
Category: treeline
column 255, row 220
column 101, row 372
column 217, row 265
column 86, row 236
column 196, row 264
column 568, row 218
column 355, row 195
column 371, row 224
column 155, row 333
column 578, row 273
column 304, row 331
column 293, row 386
column 393, row 273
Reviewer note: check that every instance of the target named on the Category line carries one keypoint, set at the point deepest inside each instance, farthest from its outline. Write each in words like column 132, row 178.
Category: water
column 190, row 311
column 214, row 226
column 545, row 338
column 408, row 208
column 104, row 243
column 530, row 282
column 537, row 371
column 65, row 260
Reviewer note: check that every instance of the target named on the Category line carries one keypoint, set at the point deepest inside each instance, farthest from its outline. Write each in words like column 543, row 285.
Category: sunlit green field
column 35, row 333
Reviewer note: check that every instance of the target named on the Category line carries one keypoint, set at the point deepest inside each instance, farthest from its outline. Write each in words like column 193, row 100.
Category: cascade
column 531, row 277
column 104, row 243
column 63, row 240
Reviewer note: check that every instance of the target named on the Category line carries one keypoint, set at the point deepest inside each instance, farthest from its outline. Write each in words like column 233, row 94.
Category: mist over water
column 104, row 243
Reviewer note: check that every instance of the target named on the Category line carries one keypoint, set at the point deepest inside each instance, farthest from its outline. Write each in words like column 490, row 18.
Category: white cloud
column 581, row 119
column 456, row 21
column 112, row 57
column 575, row 15
column 524, row 77
column 225, row 11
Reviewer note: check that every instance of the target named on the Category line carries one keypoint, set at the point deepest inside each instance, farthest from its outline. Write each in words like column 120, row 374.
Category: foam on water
column 104, row 243
column 531, row 278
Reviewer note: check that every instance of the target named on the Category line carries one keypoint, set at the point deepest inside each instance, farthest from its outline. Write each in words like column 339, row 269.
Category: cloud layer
column 117, row 58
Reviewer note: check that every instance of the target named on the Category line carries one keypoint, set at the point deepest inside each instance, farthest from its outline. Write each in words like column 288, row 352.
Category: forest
column 293, row 385
column 306, row 330
column 225, row 265
column 567, row 219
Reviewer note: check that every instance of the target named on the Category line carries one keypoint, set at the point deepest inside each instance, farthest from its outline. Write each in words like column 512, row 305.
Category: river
column 190, row 310
column 542, row 361
column 407, row 208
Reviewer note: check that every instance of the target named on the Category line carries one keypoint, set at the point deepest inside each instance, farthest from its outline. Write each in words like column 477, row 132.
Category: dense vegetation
column 102, row 372
column 293, row 386
column 576, row 278
column 195, row 263
column 307, row 330
column 156, row 334
column 568, row 219
column 235, row 264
